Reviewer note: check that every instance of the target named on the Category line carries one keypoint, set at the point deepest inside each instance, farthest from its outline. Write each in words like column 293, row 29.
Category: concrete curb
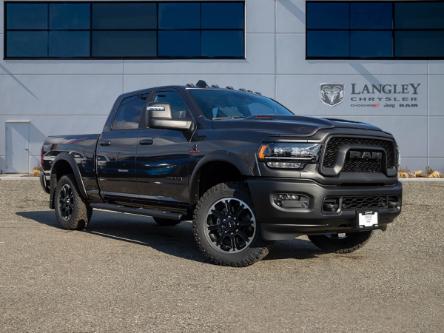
column 18, row 177
column 416, row 180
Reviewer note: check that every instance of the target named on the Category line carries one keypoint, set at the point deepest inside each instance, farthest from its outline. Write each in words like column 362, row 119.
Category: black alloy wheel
column 231, row 225
column 66, row 202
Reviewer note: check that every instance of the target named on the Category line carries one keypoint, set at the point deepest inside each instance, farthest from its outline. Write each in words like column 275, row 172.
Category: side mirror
column 159, row 116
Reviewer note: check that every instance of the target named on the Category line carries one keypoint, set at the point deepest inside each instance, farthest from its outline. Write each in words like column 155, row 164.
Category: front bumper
column 278, row 223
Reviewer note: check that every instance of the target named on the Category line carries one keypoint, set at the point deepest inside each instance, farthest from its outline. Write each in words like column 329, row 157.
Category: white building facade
column 43, row 95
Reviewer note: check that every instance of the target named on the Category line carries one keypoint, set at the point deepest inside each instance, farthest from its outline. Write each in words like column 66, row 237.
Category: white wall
column 68, row 97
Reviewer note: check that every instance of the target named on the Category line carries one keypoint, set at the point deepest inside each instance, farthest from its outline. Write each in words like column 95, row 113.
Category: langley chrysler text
column 244, row 168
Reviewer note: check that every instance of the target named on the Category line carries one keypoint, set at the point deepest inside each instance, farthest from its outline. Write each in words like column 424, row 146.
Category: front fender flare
column 217, row 156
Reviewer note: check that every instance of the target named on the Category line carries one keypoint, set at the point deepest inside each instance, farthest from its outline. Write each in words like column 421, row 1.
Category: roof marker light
column 201, row 84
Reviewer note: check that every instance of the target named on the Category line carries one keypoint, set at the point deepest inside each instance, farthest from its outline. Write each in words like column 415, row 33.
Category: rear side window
column 179, row 109
column 129, row 113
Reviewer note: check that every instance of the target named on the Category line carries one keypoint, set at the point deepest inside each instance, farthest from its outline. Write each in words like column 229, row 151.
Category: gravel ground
column 126, row 274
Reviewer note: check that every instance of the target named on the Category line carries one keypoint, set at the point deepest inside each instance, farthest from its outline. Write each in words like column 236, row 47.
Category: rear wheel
column 225, row 227
column 165, row 222
column 341, row 242
column 71, row 211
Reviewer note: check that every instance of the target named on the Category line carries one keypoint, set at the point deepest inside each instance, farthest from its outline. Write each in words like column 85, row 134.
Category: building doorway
column 17, row 146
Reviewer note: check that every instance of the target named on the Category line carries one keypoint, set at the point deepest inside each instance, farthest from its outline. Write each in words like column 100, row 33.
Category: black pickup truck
column 243, row 167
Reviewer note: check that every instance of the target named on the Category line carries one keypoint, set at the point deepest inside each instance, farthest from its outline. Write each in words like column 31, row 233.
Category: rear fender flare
column 66, row 158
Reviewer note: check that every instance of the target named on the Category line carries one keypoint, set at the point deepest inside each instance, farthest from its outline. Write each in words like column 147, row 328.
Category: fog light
column 393, row 202
column 291, row 200
column 330, row 205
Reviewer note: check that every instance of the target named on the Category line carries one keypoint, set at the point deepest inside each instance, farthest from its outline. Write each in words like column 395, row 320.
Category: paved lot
column 126, row 274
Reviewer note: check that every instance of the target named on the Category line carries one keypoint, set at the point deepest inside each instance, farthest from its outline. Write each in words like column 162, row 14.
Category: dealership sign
column 332, row 94
column 380, row 95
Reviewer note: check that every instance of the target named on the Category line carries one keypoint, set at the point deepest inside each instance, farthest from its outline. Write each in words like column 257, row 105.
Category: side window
column 129, row 113
column 179, row 109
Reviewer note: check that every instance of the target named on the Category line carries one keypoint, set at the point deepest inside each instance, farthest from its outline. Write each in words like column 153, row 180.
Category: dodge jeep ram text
column 243, row 167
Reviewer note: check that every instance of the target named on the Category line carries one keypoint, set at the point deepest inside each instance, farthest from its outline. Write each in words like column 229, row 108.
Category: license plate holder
column 368, row 219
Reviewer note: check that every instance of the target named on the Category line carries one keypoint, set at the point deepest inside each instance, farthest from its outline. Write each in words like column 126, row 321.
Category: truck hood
column 289, row 125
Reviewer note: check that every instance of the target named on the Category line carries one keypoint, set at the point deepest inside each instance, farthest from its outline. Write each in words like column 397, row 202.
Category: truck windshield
column 219, row 104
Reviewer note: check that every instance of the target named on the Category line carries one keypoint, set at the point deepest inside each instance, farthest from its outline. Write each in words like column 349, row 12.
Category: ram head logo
column 332, row 94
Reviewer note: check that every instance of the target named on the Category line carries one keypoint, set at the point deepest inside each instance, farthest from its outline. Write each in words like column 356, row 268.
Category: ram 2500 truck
column 245, row 169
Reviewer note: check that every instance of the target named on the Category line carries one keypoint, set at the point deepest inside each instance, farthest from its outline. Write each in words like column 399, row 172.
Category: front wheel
column 225, row 227
column 341, row 242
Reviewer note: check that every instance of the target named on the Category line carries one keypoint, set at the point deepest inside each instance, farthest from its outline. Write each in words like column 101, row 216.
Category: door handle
column 105, row 143
column 146, row 142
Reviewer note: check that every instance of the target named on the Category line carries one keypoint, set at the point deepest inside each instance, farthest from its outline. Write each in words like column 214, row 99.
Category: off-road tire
column 161, row 222
column 351, row 243
column 252, row 253
column 81, row 212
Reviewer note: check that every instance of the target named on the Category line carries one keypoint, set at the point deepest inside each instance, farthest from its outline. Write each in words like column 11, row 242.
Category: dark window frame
column 91, row 57
column 393, row 31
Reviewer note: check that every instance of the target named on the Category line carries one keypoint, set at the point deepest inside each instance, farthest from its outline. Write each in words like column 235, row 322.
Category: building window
column 375, row 30
column 125, row 30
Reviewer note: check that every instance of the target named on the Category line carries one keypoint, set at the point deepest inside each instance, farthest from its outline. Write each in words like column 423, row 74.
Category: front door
column 116, row 150
column 164, row 156
column 17, row 147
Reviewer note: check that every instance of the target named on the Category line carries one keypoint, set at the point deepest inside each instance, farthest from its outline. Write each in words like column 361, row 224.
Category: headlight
column 289, row 155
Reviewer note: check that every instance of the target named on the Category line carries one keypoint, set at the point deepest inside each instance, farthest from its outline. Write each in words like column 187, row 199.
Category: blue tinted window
column 27, row 44
column 222, row 15
column 89, row 29
column 419, row 44
column 124, row 44
column 27, row 16
column 179, row 43
column 324, row 15
column 371, row 16
column 373, row 29
column 222, row 43
column 124, row 16
column 371, row 44
column 179, row 16
column 78, row 45
column 69, row 16
column 327, row 43
column 426, row 15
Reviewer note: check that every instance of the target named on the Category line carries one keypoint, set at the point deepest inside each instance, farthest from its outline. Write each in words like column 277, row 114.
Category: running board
column 139, row 211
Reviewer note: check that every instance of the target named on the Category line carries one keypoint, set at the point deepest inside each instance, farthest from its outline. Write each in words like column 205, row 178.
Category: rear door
column 165, row 157
column 116, row 150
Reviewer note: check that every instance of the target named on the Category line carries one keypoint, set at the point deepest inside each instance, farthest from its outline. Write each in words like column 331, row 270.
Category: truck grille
column 362, row 166
column 357, row 165
column 365, row 202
